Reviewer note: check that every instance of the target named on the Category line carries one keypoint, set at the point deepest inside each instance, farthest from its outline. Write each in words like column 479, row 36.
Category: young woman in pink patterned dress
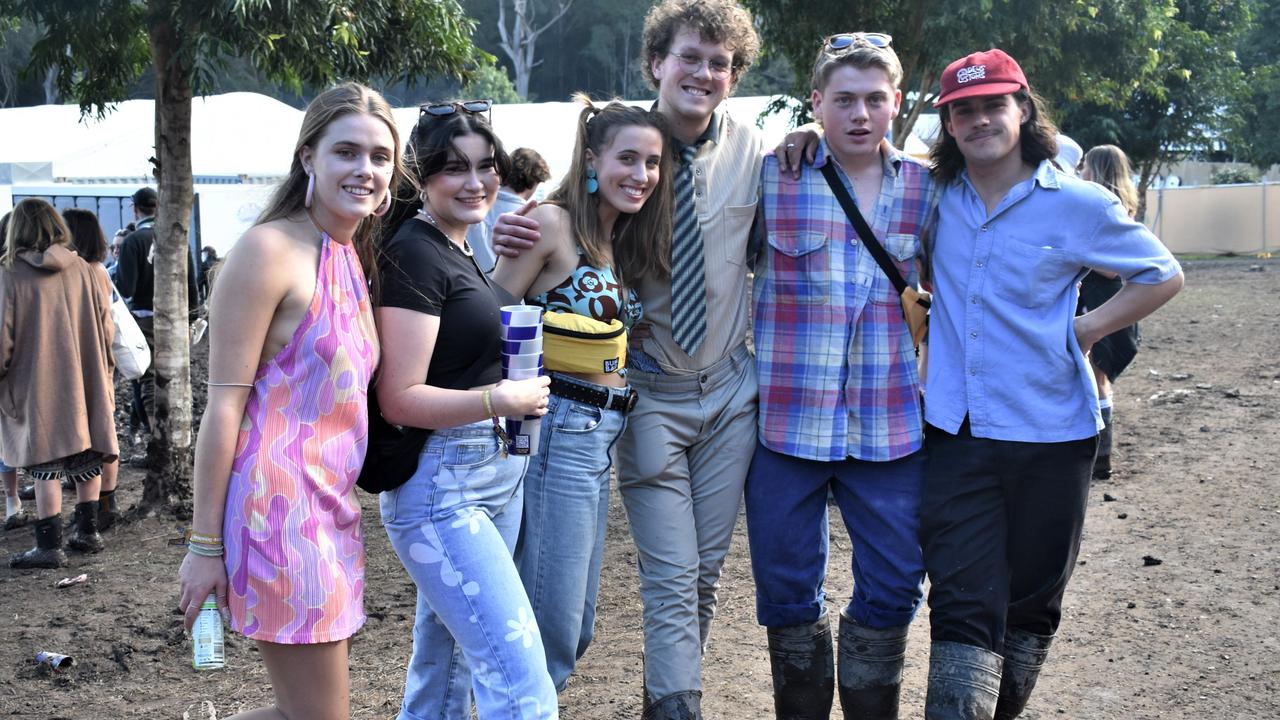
column 292, row 350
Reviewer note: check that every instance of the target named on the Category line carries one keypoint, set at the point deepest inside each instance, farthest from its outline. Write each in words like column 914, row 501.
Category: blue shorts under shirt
column 1002, row 344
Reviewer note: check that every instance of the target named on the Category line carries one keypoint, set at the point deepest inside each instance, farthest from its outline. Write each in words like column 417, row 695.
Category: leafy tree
column 1185, row 104
column 1069, row 49
column 1256, row 137
column 100, row 47
column 490, row 82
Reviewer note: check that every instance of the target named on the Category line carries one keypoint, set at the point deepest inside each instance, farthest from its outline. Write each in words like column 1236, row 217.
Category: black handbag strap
column 864, row 230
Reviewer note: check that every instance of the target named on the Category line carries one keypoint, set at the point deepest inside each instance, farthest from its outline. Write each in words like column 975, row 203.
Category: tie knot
column 688, row 153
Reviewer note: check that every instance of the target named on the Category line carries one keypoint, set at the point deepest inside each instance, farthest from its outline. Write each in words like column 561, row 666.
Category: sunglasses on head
column 474, row 107
column 844, row 41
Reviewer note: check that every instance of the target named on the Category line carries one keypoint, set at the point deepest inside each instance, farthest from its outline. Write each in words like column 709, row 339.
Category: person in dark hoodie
column 135, row 279
column 59, row 424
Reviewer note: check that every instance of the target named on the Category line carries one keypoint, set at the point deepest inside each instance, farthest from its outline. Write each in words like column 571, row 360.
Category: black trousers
column 1000, row 526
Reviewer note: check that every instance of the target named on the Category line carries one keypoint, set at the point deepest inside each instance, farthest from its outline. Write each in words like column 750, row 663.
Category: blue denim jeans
column 566, row 506
column 454, row 525
column 786, row 499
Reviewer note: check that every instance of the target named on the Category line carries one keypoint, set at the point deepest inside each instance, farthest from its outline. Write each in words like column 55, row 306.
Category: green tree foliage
column 1186, row 103
column 1078, row 49
column 99, row 48
column 1256, row 138
column 490, row 82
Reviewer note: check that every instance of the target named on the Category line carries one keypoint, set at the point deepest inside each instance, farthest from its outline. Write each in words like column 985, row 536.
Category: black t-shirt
column 421, row 270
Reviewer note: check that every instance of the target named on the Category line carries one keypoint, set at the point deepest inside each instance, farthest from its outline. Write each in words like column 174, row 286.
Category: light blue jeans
column 454, row 525
column 566, row 506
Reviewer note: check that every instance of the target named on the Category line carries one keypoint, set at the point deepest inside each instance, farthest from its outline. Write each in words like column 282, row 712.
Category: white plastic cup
column 520, row 315
column 522, row 347
column 519, row 363
column 521, row 332
column 524, row 434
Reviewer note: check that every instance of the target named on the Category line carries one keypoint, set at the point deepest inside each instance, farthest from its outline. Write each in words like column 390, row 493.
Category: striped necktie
column 688, row 271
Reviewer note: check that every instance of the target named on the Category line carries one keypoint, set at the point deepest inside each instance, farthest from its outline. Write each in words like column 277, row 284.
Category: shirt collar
column 711, row 134
column 147, row 221
column 890, row 157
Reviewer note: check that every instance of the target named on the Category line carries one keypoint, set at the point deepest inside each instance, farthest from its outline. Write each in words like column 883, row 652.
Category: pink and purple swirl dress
column 294, row 548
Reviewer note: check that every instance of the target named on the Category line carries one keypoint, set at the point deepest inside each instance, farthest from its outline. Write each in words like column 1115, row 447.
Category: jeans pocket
column 579, row 418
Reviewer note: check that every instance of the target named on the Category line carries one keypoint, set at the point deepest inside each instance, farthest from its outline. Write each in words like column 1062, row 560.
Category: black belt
column 620, row 399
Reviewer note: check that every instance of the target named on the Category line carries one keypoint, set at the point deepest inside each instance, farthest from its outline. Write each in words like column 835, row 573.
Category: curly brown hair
column 1038, row 139
column 717, row 21
column 528, row 170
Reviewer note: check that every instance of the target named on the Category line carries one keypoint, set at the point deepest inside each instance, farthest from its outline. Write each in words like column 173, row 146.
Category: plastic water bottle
column 206, row 637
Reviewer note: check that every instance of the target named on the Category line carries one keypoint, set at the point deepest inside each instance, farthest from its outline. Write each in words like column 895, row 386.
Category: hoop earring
column 592, row 184
column 311, row 190
column 383, row 206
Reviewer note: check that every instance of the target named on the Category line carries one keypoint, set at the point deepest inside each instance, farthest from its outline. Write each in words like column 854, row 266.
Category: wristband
column 487, row 398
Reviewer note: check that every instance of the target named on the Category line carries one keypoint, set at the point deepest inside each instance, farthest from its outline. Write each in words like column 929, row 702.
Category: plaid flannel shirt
column 837, row 370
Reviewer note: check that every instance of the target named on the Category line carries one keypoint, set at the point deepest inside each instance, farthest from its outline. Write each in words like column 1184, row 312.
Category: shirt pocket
column 799, row 267
column 1029, row 275
column 734, row 229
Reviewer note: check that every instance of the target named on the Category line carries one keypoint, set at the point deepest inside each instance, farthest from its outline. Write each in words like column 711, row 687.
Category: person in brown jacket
column 56, row 398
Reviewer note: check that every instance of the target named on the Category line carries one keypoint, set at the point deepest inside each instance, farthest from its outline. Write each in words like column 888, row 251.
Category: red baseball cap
column 991, row 72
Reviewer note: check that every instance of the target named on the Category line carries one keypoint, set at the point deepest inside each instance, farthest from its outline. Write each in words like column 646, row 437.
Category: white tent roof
column 251, row 135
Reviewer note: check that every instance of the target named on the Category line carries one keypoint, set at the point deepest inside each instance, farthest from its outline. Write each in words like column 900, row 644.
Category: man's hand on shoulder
column 516, row 232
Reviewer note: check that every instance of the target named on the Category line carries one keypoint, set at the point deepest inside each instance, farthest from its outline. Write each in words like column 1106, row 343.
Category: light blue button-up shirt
column 1002, row 344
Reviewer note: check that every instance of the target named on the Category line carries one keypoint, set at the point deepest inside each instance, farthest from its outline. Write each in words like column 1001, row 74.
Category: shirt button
column 974, row 299
column 698, row 193
column 702, row 379
column 697, row 171
column 985, row 228
column 973, row 371
column 973, row 335
column 979, row 263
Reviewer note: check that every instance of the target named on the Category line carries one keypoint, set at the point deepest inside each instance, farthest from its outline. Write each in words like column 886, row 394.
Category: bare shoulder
column 268, row 257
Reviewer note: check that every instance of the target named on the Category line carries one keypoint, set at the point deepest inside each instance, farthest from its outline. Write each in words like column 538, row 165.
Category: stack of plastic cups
column 522, row 359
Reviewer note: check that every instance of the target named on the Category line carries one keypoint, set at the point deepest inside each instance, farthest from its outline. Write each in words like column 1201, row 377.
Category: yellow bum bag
column 579, row 344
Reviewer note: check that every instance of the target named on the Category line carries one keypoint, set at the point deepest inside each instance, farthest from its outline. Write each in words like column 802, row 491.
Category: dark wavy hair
column 528, row 170
column 430, row 147
column 86, row 234
column 1038, row 139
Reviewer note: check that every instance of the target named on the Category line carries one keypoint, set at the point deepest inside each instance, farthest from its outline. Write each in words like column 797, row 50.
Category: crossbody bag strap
column 864, row 230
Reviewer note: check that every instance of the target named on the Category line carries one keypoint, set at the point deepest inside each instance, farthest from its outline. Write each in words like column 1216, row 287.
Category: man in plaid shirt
column 840, row 405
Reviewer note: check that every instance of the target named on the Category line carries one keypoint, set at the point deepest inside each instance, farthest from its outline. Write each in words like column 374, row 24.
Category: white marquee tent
column 244, row 139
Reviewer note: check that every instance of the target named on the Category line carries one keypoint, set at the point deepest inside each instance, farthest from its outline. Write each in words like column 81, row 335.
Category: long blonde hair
column 289, row 199
column 642, row 242
column 1109, row 167
column 33, row 225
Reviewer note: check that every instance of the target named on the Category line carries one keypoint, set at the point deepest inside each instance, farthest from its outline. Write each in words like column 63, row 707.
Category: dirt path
column 1197, row 636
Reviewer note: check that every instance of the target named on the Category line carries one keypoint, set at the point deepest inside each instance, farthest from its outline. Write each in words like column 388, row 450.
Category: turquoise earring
column 592, row 184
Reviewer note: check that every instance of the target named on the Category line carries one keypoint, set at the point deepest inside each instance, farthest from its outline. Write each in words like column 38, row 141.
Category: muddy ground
column 1196, row 636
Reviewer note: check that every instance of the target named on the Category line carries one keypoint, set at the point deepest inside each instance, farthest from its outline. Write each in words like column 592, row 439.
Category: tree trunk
column 1146, row 175
column 169, row 459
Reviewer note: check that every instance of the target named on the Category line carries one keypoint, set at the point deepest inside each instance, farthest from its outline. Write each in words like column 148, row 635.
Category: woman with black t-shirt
column 454, row 522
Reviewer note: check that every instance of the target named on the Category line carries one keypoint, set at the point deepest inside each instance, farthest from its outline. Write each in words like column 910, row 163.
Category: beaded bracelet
column 206, row 539
column 205, row 550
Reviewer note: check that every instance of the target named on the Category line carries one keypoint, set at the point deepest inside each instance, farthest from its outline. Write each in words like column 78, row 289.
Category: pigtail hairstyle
column 642, row 241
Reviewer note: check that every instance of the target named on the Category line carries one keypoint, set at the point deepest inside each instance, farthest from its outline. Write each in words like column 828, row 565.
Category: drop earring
column 383, row 206
column 311, row 189
column 592, row 184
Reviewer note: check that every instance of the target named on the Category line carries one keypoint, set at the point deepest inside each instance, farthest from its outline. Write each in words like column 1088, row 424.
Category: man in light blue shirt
column 1011, row 408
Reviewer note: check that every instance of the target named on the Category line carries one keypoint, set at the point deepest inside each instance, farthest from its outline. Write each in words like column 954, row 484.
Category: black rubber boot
column 870, row 670
column 1102, row 463
column 964, row 682
column 48, row 550
column 683, row 705
column 803, row 669
column 107, row 514
column 84, row 536
column 1024, row 656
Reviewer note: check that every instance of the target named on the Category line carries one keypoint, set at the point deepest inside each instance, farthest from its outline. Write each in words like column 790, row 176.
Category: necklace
column 464, row 248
